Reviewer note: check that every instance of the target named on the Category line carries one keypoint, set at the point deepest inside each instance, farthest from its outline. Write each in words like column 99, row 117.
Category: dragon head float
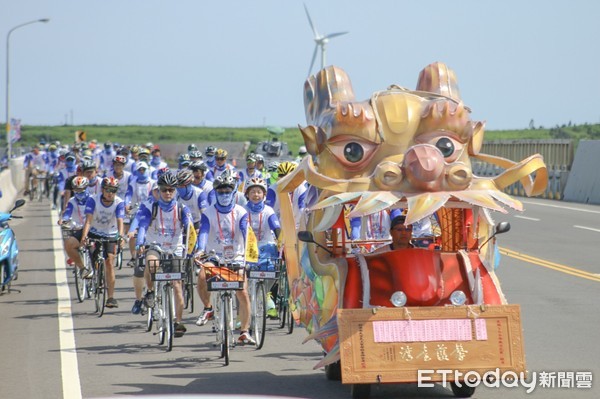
column 401, row 148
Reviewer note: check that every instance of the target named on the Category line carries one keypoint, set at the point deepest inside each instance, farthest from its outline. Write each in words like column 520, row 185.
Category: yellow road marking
column 551, row 265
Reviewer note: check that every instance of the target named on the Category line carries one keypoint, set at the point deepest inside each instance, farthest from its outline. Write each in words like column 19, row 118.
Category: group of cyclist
column 205, row 205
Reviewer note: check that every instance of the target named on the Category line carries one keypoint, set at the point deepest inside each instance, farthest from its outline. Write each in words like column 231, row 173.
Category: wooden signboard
column 392, row 344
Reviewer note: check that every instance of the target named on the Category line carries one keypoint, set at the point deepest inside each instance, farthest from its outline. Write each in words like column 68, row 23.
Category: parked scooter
column 9, row 251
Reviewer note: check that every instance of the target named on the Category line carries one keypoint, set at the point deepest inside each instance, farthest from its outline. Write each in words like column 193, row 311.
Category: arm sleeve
column 203, row 234
column 271, row 197
column 144, row 217
column 68, row 211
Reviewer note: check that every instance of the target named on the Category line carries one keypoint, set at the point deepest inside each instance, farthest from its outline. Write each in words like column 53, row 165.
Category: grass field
column 197, row 135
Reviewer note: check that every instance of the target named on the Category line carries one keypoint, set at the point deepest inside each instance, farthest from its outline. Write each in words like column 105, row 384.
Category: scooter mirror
column 305, row 236
column 18, row 204
column 502, row 227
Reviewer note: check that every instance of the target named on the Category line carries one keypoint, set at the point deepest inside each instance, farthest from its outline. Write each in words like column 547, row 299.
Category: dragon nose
column 424, row 163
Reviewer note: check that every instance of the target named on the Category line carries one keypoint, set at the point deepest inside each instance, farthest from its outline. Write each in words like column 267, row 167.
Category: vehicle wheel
column 225, row 316
column 100, row 289
column 462, row 391
column 260, row 318
column 333, row 371
column 290, row 319
column 31, row 194
column 150, row 319
column 80, row 286
column 360, row 391
column 160, row 316
column 169, row 311
column 119, row 260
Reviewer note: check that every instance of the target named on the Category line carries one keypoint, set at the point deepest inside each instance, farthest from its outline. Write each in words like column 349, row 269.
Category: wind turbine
column 320, row 41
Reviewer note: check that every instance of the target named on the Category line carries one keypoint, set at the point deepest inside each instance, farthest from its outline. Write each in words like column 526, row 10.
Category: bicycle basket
column 167, row 269
column 219, row 278
column 266, row 269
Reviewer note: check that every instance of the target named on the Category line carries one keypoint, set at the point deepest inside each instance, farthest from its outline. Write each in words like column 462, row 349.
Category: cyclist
column 69, row 170
column 140, row 189
column 250, row 172
column 297, row 196
column 184, row 161
column 223, row 228
column 195, row 155
column 210, row 156
column 191, row 196
column 221, row 164
column 156, row 162
column 35, row 162
column 164, row 223
column 75, row 211
column 118, row 172
column 104, row 219
column 105, row 158
column 191, row 147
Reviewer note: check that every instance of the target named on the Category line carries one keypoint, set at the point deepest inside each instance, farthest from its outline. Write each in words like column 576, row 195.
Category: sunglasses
column 401, row 229
column 111, row 190
column 220, row 159
column 167, row 190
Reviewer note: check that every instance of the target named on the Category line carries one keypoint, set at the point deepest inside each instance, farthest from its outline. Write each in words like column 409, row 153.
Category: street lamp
column 8, row 143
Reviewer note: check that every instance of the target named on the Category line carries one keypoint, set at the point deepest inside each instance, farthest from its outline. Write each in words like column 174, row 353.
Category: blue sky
column 243, row 63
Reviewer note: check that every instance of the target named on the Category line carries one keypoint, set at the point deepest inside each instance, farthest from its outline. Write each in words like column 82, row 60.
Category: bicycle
column 99, row 288
column 283, row 300
column 83, row 286
column 163, row 272
column 258, row 298
column 223, row 279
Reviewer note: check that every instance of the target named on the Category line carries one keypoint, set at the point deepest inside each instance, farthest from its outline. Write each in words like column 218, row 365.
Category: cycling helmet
column 224, row 180
column 135, row 149
column 141, row 164
column 221, row 153
column 70, row 156
column 120, row 159
column 167, row 180
column 210, row 151
column 184, row 159
column 198, row 165
column 259, row 158
column 272, row 166
column 192, row 147
column 256, row 182
column 124, row 151
column 52, row 147
column 144, row 152
column 285, row 167
column 251, row 158
column 110, row 182
column 184, row 177
column 196, row 154
column 108, row 145
column 80, row 183
column 162, row 171
column 302, row 150
column 88, row 164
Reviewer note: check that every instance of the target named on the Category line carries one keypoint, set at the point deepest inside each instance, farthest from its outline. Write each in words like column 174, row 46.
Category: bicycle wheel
column 188, row 289
column 259, row 314
column 119, row 260
column 283, row 292
column 100, row 288
column 40, row 190
column 225, row 326
column 31, row 192
column 290, row 317
column 80, row 286
column 150, row 319
column 160, row 316
column 169, row 312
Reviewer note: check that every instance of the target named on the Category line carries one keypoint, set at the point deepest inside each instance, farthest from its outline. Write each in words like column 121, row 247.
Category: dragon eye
column 353, row 152
column 446, row 146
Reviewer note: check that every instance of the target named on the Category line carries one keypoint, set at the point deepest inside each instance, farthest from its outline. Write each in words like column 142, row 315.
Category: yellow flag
column 192, row 237
column 251, row 246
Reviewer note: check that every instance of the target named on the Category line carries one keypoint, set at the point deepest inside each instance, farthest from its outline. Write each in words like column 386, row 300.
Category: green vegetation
column 182, row 134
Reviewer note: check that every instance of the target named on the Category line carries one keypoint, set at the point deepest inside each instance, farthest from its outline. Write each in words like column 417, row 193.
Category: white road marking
column 570, row 208
column 587, row 228
column 527, row 218
column 71, row 384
